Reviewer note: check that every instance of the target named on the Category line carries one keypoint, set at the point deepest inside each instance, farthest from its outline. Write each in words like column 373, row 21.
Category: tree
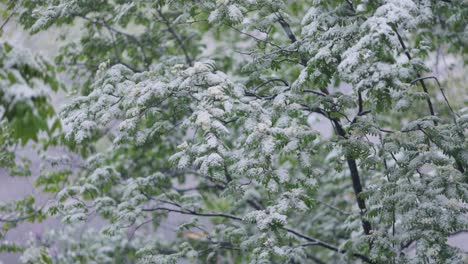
column 207, row 109
column 26, row 82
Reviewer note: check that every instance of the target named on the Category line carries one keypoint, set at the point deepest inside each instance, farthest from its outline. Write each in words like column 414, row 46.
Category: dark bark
column 356, row 180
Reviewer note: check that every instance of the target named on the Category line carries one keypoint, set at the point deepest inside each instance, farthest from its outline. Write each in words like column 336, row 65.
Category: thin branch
column 270, row 97
column 315, row 241
column 360, row 103
column 20, row 218
column 189, row 22
column 270, row 81
column 315, row 92
column 287, row 29
column 10, row 16
column 114, row 45
column 129, row 36
column 326, row 245
column 130, row 237
column 421, row 81
column 255, row 38
column 315, row 259
column 190, row 212
column 176, row 36
column 350, row 4
column 440, row 88
column 197, row 188
column 355, row 178
column 334, row 208
column 457, row 161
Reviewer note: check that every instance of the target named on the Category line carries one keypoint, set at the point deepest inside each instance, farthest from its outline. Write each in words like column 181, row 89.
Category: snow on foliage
column 227, row 133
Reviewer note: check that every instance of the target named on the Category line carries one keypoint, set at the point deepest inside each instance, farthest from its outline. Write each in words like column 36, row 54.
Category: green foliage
column 25, row 81
column 206, row 109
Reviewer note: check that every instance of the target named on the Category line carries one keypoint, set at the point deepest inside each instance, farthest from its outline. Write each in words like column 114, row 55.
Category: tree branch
column 270, row 81
column 176, row 36
column 19, row 219
column 315, row 241
column 18, row 5
column 325, row 245
column 287, row 29
column 440, row 88
column 255, row 38
column 421, row 81
column 112, row 29
column 355, row 178
column 190, row 212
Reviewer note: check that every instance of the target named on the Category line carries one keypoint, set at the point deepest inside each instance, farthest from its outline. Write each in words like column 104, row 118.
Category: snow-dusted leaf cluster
column 208, row 112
